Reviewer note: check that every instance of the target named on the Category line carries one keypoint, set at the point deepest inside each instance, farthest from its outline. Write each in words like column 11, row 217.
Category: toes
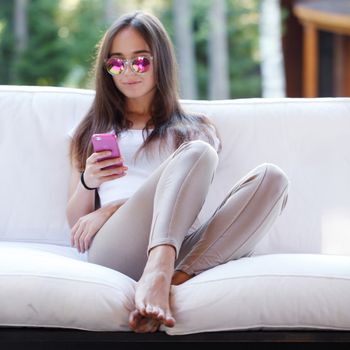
column 155, row 327
column 141, row 308
column 141, row 324
column 169, row 320
column 153, row 311
column 150, row 323
column 160, row 314
column 149, row 310
column 134, row 319
column 147, row 325
column 157, row 313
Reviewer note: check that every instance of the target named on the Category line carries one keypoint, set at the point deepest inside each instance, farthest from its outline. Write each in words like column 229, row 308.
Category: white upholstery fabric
column 281, row 291
column 34, row 152
column 44, row 282
column 44, row 286
column 47, row 286
column 309, row 140
column 51, row 286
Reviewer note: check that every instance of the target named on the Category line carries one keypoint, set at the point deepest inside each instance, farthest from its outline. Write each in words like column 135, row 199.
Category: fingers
column 103, row 160
column 97, row 156
column 76, row 233
column 113, row 162
column 98, row 169
column 85, row 241
column 81, row 237
column 108, row 173
column 74, row 228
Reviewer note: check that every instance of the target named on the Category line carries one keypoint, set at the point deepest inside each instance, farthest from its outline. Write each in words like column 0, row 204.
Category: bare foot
column 153, row 288
column 141, row 324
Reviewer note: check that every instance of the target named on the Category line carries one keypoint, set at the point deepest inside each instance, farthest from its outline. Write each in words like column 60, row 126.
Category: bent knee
column 202, row 150
column 275, row 184
column 276, row 177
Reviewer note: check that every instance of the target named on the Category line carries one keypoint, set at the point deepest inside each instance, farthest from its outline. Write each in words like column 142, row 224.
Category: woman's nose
column 128, row 69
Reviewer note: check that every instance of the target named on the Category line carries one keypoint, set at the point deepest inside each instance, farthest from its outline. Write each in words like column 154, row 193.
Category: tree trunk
column 272, row 67
column 111, row 11
column 219, row 87
column 20, row 26
column 185, row 48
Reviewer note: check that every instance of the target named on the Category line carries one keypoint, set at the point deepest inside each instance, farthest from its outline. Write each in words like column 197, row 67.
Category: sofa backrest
column 308, row 138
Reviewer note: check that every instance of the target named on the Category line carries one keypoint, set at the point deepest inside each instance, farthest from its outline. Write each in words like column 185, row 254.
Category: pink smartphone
column 106, row 142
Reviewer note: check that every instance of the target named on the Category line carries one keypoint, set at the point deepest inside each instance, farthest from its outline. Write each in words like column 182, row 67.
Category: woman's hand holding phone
column 105, row 164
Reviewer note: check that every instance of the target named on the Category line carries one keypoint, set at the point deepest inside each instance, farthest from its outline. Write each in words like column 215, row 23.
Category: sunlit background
column 225, row 48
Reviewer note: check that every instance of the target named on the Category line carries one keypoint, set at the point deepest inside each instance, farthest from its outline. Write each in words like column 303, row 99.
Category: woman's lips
column 131, row 82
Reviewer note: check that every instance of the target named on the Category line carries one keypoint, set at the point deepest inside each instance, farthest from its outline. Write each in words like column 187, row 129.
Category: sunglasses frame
column 128, row 63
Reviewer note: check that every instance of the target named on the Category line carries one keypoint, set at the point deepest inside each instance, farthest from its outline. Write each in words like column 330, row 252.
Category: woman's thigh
column 121, row 244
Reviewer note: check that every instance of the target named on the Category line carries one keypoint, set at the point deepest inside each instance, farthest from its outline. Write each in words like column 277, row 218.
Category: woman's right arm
column 82, row 201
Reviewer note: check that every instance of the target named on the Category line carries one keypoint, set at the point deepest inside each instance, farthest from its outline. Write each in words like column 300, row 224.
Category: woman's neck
column 138, row 113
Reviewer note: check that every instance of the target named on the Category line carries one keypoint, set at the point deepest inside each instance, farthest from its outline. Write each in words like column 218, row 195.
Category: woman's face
column 128, row 44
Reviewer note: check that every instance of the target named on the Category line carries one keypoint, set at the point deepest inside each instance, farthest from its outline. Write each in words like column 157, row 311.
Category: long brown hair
column 108, row 108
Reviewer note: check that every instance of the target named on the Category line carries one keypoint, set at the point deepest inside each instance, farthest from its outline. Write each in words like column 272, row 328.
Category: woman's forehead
column 128, row 41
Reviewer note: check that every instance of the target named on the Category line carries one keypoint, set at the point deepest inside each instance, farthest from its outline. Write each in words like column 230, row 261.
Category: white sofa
column 297, row 279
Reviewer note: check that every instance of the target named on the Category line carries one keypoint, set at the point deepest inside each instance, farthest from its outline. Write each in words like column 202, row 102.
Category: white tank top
column 138, row 169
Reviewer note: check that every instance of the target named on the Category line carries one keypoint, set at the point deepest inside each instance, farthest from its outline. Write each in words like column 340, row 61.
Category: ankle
column 162, row 250
column 162, row 254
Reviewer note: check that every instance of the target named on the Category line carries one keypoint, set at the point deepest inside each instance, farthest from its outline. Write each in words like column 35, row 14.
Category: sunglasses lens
column 141, row 64
column 115, row 66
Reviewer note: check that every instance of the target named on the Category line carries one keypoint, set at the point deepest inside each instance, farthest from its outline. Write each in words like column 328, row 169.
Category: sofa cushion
column 277, row 291
column 34, row 122
column 52, row 286
column 48, row 286
column 309, row 140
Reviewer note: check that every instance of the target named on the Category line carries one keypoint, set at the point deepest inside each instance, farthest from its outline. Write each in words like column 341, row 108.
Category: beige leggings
column 163, row 210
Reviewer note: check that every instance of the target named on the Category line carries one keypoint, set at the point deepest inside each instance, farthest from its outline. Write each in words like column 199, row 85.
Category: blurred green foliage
column 62, row 43
column 82, row 28
column 44, row 60
column 6, row 42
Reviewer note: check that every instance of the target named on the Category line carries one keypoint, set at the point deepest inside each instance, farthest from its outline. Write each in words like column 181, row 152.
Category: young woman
column 145, row 225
